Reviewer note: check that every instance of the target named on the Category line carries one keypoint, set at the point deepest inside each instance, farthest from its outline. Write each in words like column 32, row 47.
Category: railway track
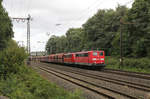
column 145, row 85
column 92, row 87
column 102, row 85
column 127, row 73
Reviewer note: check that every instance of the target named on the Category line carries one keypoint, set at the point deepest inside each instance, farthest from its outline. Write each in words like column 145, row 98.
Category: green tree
column 70, row 43
column 51, row 45
column 103, row 28
column 74, row 39
column 139, row 32
column 102, row 31
column 6, row 32
column 11, row 59
column 120, row 15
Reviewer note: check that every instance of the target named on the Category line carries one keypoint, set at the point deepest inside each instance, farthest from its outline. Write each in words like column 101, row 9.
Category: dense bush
column 11, row 59
column 21, row 82
column 143, row 63
column 111, row 61
column 29, row 85
column 139, row 64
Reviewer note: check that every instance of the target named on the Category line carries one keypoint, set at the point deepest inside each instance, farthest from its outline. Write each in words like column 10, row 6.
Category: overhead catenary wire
column 28, row 4
column 84, row 12
column 114, row 18
column 90, row 9
column 24, row 7
column 11, row 6
column 94, row 7
column 81, row 13
column 87, row 9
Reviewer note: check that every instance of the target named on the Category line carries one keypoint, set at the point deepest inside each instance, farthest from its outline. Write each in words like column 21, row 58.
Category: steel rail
column 96, row 85
column 108, row 79
column 128, row 73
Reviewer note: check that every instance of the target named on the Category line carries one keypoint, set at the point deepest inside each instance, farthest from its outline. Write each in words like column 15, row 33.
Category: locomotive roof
column 88, row 51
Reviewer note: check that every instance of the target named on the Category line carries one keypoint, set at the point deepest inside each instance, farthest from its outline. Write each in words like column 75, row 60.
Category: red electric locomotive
column 90, row 58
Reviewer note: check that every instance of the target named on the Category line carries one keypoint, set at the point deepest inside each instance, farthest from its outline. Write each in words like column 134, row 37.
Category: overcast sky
column 47, row 13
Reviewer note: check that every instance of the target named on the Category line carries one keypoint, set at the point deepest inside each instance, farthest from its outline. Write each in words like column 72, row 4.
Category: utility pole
column 121, row 58
column 28, row 34
column 28, row 19
column 121, row 47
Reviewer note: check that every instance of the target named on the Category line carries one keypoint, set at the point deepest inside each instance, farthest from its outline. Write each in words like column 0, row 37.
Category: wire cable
column 85, row 11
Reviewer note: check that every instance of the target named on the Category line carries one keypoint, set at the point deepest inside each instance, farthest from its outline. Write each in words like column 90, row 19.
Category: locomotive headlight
column 94, row 59
column 102, row 59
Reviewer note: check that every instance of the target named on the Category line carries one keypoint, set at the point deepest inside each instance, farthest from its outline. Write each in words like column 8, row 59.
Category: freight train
column 84, row 58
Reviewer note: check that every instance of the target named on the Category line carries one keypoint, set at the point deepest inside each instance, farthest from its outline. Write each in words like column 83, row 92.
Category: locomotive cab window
column 94, row 53
column 101, row 54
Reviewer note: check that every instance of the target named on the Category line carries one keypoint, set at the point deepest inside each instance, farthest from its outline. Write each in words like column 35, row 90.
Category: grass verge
column 27, row 84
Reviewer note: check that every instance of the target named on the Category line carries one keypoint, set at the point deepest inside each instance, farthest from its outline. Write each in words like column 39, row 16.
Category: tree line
column 102, row 32
column 6, row 32
column 11, row 55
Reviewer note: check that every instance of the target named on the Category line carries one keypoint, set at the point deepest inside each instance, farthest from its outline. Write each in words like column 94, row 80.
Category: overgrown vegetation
column 129, row 64
column 26, row 84
column 11, row 59
column 6, row 32
column 102, row 31
column 18, row 81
